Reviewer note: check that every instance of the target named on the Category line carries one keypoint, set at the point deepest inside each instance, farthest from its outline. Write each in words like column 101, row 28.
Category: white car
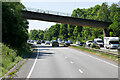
column 47, row 42
column 77, row 42
column 89, row 42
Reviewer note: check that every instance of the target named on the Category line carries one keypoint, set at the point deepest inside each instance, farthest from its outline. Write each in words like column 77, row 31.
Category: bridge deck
column 64, row 19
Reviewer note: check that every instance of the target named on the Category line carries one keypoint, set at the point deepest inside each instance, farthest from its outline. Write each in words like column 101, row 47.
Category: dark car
column 43, row 41
column 32, row 41
column 66, row 43
column 38, row 42
column 82, row 43
column 55, row 43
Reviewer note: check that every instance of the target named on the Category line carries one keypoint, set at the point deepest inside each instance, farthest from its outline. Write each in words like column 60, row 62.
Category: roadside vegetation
column 104, row 12
column 97, row 53
column 9, row 59
column 14, row 36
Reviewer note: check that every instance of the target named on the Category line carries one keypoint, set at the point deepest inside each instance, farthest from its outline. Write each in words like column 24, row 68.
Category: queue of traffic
column 108, row 42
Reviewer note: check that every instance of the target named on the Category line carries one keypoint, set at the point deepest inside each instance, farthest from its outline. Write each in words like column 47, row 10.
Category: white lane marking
column 80, row 71
column 102, row 61
column 65, row 57
column 33, row 65
column 71, row 62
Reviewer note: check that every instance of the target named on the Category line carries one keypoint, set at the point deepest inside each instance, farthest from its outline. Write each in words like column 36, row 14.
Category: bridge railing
column 47, row 12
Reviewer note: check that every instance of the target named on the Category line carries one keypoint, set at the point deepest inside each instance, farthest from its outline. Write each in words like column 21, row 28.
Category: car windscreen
column 90, row 41
column 99, row 41
column 114, row 42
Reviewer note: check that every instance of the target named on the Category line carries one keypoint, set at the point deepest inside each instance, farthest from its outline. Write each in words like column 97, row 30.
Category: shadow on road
column 43, row 50
column 44, row 55
column 40, row 46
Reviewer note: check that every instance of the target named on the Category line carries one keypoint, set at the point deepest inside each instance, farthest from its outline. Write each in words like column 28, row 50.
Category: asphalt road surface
column 64, row 62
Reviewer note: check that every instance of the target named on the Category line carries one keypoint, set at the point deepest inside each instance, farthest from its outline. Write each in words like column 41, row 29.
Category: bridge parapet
column 46, row 11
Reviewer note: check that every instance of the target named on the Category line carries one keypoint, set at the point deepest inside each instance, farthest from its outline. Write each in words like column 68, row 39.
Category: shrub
column 9, row 59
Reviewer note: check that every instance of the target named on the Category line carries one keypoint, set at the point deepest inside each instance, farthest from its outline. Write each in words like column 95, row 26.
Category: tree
column 63, row 31
column 116, row 24
column 112, row 9
column 14, row 28
column 103, row 13
column 77, row 32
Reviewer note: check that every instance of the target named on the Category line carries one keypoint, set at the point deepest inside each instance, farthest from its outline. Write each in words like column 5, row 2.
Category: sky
column 64, row 6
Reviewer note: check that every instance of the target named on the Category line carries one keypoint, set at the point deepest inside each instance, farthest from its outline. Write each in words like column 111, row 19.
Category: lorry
column 99, row 42
column 111, row 42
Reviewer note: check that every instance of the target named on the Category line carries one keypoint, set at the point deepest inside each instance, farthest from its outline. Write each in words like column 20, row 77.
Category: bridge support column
column 105, row 33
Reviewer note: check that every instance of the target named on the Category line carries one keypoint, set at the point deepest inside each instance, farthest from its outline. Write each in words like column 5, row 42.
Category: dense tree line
column 14, row 27
column 98, row 12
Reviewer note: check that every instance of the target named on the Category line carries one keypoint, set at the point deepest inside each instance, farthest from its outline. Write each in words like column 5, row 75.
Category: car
column 70, row 41
column 38, row 42
column 63, row 41
column 55, row 43
column 47, row 42
column 59, row 42
column 66, row 43
column 43, row 41
column 99, row 42
column 89, row 42
column 29, row 41
column 32, row 41
column 77, row 42
column 51, row 41
column 82, row 43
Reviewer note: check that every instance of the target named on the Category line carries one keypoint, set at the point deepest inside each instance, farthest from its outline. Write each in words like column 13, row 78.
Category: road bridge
column 50, row 16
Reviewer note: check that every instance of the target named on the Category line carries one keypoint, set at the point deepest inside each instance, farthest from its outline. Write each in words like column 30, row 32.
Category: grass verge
column 11, row 74
column 9, row 58
column 97, row 53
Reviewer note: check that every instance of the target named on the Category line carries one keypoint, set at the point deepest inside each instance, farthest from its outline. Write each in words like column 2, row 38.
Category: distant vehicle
column 70, row 41
column 29, row 41
column 111, row 42
column 59, row 40
column 51, row 40
column 47, row 42
column 38, row 42
column 32, row 41
column 89, row 42
column 63, row 41
column 82, row 43
column 77, row 42
column 55, row 43
column 67, row 43
column 43, row 41
column 35, row 42
column 99, row 42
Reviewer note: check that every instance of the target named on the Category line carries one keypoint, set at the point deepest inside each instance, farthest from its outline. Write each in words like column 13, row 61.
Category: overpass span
column 37, row 14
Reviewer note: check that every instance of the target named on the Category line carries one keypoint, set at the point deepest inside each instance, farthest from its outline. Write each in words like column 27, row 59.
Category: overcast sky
column 65, row 6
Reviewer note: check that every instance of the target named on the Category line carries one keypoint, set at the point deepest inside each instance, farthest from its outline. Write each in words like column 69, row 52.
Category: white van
column 111, row 42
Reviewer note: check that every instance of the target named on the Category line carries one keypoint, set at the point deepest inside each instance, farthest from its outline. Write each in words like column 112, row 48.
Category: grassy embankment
column 97, row 53
column 8, row 59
